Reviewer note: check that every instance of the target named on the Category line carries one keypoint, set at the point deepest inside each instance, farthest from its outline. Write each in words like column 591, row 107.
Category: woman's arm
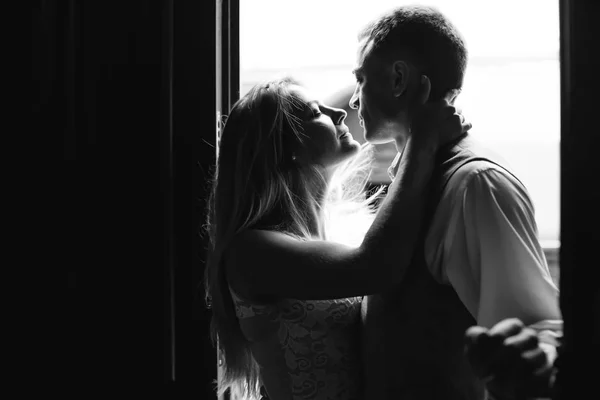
column 272, row 264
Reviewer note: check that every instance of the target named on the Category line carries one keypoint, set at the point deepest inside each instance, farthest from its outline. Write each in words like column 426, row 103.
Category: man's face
column 381, row 114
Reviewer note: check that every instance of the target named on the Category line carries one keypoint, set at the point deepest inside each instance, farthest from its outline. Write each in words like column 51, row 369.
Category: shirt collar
column 393, row 169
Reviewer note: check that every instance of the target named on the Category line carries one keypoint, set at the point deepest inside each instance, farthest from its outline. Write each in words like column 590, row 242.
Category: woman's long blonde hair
column 256, row 185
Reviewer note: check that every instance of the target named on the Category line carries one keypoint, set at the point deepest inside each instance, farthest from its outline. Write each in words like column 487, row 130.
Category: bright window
column 511, row 92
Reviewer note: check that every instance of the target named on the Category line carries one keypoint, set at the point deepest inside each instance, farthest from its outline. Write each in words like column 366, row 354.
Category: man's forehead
column 363, row 54
column 362, row 50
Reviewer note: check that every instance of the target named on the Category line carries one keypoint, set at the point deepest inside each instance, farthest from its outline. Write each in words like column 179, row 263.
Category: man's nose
column 354, row 102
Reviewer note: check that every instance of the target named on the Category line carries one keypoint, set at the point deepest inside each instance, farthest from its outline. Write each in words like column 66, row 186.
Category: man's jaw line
column 397, row 138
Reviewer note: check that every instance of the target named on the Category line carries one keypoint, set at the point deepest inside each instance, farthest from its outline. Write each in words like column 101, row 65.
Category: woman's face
column 327, row 140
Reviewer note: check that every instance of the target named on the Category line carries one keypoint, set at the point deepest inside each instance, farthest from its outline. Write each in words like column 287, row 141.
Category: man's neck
column 400, row 142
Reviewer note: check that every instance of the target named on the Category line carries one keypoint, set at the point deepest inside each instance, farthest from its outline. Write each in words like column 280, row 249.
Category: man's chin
column 369, row 136
column 375, row 139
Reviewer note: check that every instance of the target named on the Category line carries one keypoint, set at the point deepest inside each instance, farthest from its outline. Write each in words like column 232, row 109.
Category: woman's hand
column 436, row 123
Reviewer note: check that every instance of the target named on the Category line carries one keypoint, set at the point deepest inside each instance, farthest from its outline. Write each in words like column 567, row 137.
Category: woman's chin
column 351, row 146
column 350, row 149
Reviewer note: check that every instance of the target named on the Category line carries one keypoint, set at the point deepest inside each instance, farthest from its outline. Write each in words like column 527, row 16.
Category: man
column 479, row 259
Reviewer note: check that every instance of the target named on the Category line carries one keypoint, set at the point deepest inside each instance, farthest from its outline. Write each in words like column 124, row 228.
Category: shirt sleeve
column 505, row 264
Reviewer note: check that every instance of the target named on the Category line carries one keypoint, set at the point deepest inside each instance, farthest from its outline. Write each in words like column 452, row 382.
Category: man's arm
column 504, row 253
column 492, row 256
column 484, row 243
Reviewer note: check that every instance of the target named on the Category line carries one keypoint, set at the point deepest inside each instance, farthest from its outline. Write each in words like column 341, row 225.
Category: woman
column 286, row 302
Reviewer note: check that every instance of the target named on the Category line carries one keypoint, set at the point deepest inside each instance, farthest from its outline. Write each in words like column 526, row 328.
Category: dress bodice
column 307, row 349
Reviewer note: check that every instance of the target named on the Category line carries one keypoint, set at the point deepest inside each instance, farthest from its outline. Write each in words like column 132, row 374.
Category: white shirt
column 483, row 241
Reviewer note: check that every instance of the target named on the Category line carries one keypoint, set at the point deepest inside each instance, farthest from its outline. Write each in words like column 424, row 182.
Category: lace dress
column 307, row 350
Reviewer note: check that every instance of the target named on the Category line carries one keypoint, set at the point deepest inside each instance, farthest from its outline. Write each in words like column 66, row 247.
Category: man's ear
column 400, row 77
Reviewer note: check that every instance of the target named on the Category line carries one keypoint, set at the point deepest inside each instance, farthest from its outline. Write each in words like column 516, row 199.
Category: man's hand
column 436, row 123
column 509, row 359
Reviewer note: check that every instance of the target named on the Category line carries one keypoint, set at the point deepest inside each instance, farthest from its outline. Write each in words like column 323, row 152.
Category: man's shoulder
column 479, row 166
column 480, row 159
column 484, row 176
column 476, row 168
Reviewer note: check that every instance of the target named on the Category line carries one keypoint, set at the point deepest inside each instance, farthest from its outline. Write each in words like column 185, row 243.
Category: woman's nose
column 339, row 115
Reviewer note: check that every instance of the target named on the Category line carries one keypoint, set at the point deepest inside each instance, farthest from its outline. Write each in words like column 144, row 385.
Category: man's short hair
column 426, row 38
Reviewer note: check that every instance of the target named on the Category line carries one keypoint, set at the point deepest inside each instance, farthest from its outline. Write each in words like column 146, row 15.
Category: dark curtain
column 580, row 201
column 131, row 88
column 194, row 127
